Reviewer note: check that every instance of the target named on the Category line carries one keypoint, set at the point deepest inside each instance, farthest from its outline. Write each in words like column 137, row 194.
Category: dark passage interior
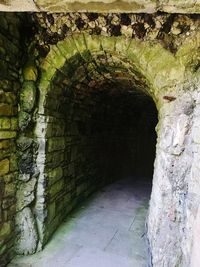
column 98, row 131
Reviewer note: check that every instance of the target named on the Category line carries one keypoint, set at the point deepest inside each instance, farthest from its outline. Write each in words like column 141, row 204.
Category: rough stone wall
column 176, row 186
column 10, row 52
column 169, row 30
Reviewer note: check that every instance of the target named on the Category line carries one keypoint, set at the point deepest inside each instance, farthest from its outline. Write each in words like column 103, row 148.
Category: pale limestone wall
column 195, row 260
column 175, row 196
column 136, row 6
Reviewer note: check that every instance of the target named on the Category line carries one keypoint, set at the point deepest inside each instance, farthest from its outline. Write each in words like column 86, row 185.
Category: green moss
column 107, row 43
column 67, row 48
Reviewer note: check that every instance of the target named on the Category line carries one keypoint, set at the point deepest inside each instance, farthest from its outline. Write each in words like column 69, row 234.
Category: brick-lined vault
column 98, row 127
column 92, row 85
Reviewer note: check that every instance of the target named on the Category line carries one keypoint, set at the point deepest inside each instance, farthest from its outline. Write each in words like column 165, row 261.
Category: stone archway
column 170, row 207
column 73, row 86
column 77, row 61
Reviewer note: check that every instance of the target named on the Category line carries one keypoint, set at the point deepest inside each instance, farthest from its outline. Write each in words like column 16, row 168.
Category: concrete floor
column 108, row 230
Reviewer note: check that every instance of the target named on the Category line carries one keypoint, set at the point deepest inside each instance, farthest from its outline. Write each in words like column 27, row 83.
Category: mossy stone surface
column 28, row 96
column 24, row 119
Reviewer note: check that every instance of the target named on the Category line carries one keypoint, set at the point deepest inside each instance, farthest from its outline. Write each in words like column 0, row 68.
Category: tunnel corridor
column 107, row 230
column 98, row 132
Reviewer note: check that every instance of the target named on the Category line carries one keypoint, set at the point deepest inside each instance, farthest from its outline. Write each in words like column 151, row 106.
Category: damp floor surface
column 108, row 230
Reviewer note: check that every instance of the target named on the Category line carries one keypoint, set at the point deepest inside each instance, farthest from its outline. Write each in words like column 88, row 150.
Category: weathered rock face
column 28, row 237
column 82, row 71
column 174, row 201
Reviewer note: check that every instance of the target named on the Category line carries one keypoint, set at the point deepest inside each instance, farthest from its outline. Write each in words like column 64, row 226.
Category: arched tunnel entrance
column 99, row 131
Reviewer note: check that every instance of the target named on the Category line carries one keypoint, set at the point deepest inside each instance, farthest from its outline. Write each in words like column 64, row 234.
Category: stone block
column 9, row 190
column 30, row 72
column 28, row 238
column 28, row 96
column 7, row 134
column 4, row 166
column 25, row 194
column 51, row 211
column 9, row 213
column 5, row 230
column 55, row 159
column 6, row 109
column 13, row 163
column 25, row 162
column 24, row 142
column 55, row 175
column 24, row 119
column 8, row 202
column 4, row 144
column 10, row 177
column 7, row 97
column 24, row 177
column 56, row 143
column 8, row 123
column 14, row 124
column 56, row 188
column 5, row 123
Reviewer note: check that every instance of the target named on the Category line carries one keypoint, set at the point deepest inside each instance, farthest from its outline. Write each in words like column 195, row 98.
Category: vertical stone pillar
column 27, row 238
column 168, row 224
